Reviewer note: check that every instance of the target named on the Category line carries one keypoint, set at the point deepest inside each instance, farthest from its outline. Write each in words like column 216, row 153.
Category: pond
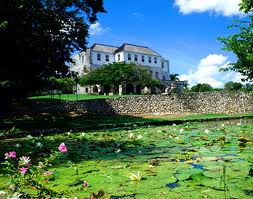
column 192, row 160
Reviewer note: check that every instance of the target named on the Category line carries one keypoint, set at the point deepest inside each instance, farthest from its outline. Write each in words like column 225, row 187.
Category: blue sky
column 183, row 31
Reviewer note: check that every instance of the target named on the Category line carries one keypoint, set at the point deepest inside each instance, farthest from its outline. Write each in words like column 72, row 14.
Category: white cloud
column 207, row 71
column 96, row 29
column 222, row 7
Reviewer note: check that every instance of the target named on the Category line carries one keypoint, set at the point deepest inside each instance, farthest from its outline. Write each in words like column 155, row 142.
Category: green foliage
column 246, row 6
column 201, row 88
column 65, row 85
column 38, row 38
column 174, row 77
column 248, row 87
column 241, row 44
column 119, row 73
column 233, row 86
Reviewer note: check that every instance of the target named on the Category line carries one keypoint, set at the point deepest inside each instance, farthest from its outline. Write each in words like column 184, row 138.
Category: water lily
column 82, row 134
column 11, row 154
column 174, row 124
column 62, row 148
column 23, row 170
column 181, row 130
column 68, row 133
column 118, row 150
column 48, row 173
column 134, row 177
column 25, row 160
column 29, row 136
column 238, row 124
column 18, row 145
column 159, row 131
column 206, row 131
column 139, row 137
column 131, row 136
column 85, row 183
column 38, row 144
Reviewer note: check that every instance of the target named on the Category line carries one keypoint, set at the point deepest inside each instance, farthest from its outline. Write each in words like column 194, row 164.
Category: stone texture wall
column 205, row 102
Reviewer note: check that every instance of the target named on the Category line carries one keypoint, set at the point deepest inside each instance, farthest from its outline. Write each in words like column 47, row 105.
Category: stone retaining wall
column 205, row 102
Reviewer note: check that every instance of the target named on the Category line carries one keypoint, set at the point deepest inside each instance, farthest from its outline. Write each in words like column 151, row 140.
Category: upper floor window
column 155, row 60
column 99, row 57
column 118, row 57
column 106, row 57
column 82, row 58
column 164, row 78
column 142, row 58
column 149, row 59
column 129, row 56
column 151, row 73
column 162, row 64
column 135, row 58
column 157, row 75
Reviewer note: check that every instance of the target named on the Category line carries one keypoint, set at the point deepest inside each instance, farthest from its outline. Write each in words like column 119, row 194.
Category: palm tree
column 174, row 77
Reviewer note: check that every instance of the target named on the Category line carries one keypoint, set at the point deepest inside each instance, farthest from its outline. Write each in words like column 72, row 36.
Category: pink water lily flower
column 23, row 170
column 11, row 154
column 62, row 148
column 85, row 184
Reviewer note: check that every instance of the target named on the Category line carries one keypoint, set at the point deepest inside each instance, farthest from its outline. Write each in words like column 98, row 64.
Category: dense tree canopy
column 38, row 37
column 233, row 86
column 241, row 43
column 174, row 77
column 246, row 6
column 119, row 73
column 201, row 88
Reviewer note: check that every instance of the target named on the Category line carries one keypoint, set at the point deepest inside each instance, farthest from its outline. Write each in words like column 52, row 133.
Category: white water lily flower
column 18, row 145
column 181, row 130
column 238, row 124
column 222, row 125
column 159, row 131
column 139, row 137
column 118, row 150
column 29, row 136
column 131, row 136
column 174, row 124
column 134, row 177
column 82, row 134
column 25, row 160
column 38, row 144
column 206, row 131
column 68, row 133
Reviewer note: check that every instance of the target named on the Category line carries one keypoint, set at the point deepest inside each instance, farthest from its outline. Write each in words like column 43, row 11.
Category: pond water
column 191, row 160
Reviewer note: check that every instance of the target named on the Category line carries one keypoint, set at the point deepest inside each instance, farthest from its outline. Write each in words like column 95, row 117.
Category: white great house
column 99, row 54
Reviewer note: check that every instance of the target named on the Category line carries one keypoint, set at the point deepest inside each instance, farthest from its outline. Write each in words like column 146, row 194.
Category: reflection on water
column 219, row 122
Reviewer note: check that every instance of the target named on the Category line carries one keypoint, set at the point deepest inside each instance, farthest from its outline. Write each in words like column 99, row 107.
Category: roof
column 104, row 48
column 137, row 49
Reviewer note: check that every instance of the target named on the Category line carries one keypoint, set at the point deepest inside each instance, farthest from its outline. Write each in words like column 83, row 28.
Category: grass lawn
column 190, row 160
column 74, row 97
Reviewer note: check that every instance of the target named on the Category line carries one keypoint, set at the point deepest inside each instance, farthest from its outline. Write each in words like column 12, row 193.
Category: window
column 99, row 57
column 157, row 75
column 164, row 78
column 162, row 64
column 106, row 57
column 129, row 57
column 155, row 60
column 118, row 57
column 142, row 58
column 135, row 58
column 151, row 73
column 149, row 59
column 82, row 58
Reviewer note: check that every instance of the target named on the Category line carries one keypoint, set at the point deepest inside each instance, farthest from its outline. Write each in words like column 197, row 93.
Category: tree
column 246, row 6
column 241, row 43
column 174, row 77
column 233, row 86
column 38, row 37
column 202, row 88
column 119, row 73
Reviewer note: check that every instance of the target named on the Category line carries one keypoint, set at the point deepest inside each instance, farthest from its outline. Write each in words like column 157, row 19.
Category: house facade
column 99, row 54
